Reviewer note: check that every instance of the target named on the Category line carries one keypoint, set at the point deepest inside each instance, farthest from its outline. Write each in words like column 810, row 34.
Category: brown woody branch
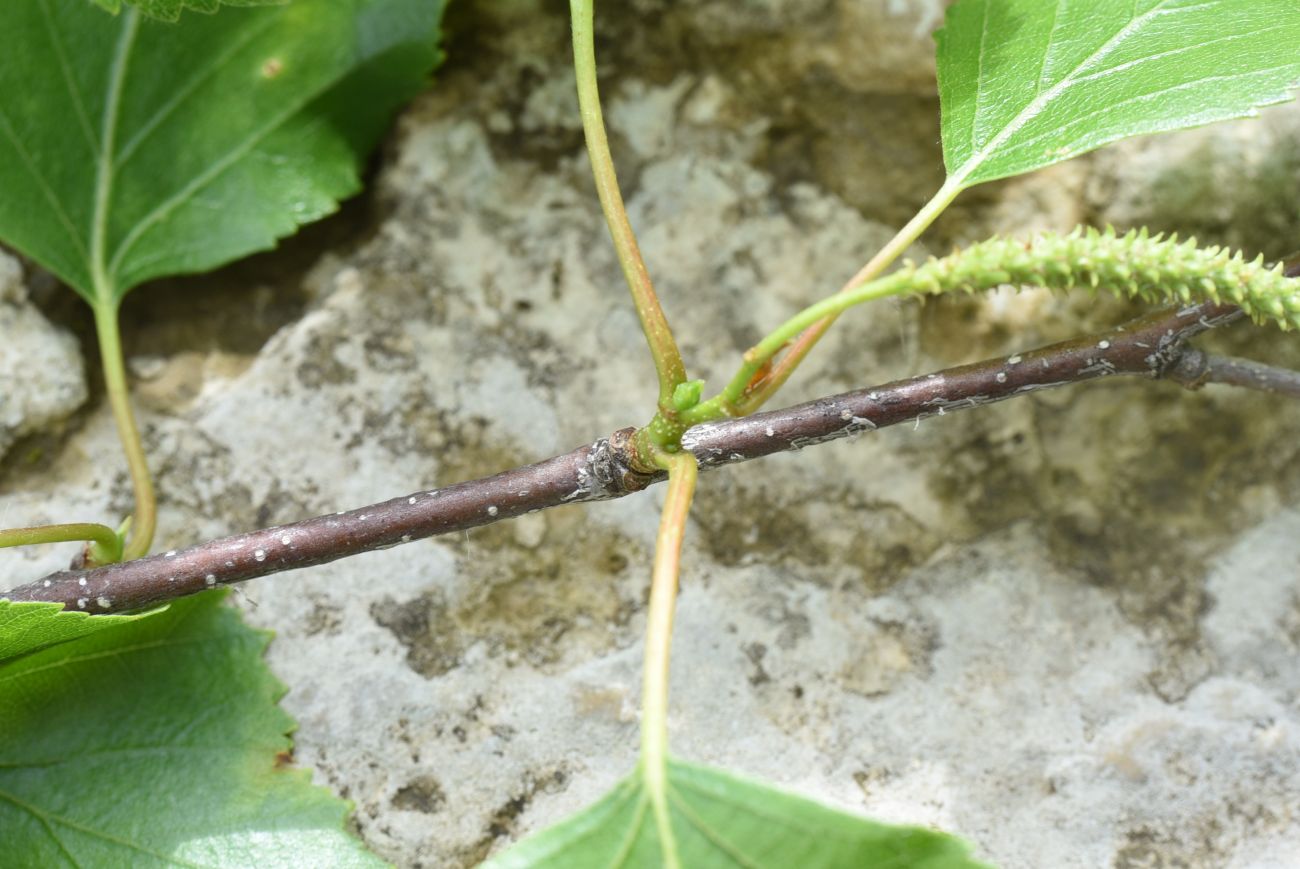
column 1152, row 346
column 1194, row 368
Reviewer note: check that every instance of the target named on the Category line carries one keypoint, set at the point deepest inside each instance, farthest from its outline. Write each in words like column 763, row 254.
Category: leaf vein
column 1137, row 98
column 183, row 93
column 116, row 651
column 718, row 842
column 104, row 166
column 58, row 841
column 220, row 165
column 81, row 757
column 1051, row 44
column 78, row 102
column 1182, row 49
column 979, row 76
column 36, row 812
column 777, row 819
column 629, row 841
column 1037, row 105
column 57, row 204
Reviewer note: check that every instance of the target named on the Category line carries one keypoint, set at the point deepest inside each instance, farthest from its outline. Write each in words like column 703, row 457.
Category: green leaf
column 1028, row 83
column 720, row 820
column 155, row 743
column 170, row 10
column 132, row 149
column 30, row 627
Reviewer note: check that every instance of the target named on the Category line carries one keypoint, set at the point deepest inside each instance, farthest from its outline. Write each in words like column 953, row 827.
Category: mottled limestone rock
column 42, row 379
column 1063, row 627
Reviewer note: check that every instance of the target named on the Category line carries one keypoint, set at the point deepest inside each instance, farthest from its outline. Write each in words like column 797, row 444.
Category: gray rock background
column 41, row 368
column 1064, row 627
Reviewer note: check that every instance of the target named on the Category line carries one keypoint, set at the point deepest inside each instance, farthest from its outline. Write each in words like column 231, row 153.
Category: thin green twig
column 667, row 358
column 107, row 299
column 106, row 546
column 145, row 516
column 750, row 396
column 1135, row 265
column 683, row 469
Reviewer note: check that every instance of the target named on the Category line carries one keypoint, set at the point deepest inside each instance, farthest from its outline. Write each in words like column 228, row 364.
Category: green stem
column 742, row 395
column 1135, row 265
column 826, row 309
column 106, row 546
column 107, row 299
column 906, row 236
column 682, row 472
column 145, row 516
column 667, row 358
column 746, row 393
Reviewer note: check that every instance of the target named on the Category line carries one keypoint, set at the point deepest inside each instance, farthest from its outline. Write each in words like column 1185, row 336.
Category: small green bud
column 687, row 394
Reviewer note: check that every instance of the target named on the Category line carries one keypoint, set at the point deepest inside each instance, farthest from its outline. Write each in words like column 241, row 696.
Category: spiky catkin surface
column 1137, row 265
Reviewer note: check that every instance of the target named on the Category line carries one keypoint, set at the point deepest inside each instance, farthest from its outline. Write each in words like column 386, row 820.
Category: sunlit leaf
column 1028, row 83
column 722, row 821
column 158, row 742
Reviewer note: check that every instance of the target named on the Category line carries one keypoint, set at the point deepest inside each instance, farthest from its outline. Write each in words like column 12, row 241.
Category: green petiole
column 1135, row 265
column 682, row 473
column 105, row 543
column 145, row 516
column 663, row 347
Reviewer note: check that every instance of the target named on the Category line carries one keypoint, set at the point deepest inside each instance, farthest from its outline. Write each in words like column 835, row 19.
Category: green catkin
column 1136, row 265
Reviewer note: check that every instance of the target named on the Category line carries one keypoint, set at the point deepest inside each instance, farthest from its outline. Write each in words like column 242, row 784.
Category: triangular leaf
column 1028, row 83
column 30, row 627
column 170, row 10
column 132, row 149
column 155, row 743
column 724, row 821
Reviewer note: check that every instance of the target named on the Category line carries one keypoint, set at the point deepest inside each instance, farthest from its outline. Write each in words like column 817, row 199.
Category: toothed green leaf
column 132, row 149
column 1028, row 83
column 30, row 627
column 722, row 821
column 157, row 742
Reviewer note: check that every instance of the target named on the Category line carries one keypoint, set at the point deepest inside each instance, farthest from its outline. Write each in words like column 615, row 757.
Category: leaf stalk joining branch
column 1136, row 265
column 756, row 392
column 105, row 545
column 663, row 347
column 683, row 470
column 145, row 517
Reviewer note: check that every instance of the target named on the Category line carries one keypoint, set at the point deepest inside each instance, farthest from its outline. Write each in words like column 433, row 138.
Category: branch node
column 613, row 464
column 1190, row 368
